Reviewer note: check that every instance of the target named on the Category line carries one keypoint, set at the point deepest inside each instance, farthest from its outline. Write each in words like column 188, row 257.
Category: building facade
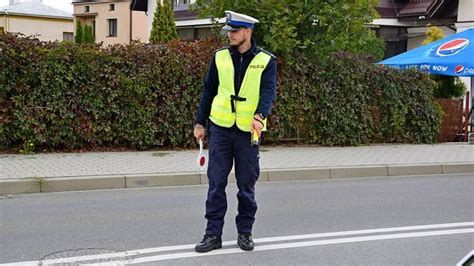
column 35, row 18
column 188, row 25
column 111, row 21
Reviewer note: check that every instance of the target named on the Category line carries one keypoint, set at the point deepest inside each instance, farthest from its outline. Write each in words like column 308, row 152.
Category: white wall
column 150, row 13
column 46, row 29
column 466, row 10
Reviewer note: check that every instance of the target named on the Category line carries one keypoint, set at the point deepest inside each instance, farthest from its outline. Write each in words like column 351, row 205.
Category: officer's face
column 237, row 38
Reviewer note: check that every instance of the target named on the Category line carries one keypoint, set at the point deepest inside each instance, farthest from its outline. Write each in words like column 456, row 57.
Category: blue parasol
column 451, row 56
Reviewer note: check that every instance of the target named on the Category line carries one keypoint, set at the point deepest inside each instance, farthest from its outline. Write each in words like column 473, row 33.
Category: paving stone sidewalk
column 277, row 163
column 120, row 163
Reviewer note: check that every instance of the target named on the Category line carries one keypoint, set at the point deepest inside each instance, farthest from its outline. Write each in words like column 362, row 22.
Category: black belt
column 234, row 98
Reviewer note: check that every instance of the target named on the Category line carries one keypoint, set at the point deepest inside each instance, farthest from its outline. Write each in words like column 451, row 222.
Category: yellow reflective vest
column 228, row 109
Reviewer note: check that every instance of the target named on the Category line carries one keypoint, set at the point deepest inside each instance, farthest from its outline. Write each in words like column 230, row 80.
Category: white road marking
column 466, row 258
column 367, row 231
column 302, row 244
column 133, row 253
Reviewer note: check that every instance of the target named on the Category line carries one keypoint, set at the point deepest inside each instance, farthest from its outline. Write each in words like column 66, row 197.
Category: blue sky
column 65, row 5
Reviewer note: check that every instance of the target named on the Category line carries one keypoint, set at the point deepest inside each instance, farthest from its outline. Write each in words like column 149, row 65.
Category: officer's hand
column 199, row 132
column 257, row 124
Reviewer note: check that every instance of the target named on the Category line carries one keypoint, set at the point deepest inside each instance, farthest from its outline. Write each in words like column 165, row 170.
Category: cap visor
column 228, row 28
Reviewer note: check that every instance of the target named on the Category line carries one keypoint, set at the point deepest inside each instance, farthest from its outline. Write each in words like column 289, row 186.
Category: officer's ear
column 248, row 31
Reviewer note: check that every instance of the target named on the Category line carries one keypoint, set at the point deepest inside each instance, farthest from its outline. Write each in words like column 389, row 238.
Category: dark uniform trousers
column 225, row 146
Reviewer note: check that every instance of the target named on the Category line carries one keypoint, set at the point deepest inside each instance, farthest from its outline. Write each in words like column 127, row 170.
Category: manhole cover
column 85, row 256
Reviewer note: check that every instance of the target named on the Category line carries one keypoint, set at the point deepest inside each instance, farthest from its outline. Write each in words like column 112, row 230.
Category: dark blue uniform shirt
column 241, row 62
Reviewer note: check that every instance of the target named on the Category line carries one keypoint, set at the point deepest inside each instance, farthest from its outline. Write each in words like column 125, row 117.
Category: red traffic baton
column 201, row 159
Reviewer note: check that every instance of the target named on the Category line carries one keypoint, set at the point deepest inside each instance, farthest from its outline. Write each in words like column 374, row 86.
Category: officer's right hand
column 199, row 132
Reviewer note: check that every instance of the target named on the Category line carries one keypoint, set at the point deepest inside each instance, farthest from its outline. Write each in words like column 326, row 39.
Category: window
column 93, row 28
column 87, row 9
column 2, row 31
column 395, row 40
column 186, row 34
column 111, row 7
column 203, row 33
column 182, row 2
column 112, row 26
column 68, row 36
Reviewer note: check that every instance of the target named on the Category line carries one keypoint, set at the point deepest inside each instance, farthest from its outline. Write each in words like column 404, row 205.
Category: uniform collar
column 252, row 51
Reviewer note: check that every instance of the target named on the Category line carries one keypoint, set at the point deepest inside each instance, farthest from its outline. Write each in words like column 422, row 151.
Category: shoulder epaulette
column 267, row 52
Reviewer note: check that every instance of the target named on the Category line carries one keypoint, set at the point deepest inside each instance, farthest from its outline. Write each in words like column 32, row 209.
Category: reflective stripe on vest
column 228, row 108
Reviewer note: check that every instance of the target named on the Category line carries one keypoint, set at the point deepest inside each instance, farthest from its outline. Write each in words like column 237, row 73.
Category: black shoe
column 209, row 243
column 245, row 242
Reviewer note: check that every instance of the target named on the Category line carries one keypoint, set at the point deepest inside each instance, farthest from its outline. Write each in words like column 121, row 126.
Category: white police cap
column 236, row 21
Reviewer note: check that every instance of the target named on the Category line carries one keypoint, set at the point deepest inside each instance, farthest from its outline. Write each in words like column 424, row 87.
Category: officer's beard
column 236, row 46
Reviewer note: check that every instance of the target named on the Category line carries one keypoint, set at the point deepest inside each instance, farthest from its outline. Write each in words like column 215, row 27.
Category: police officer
column 239, row 89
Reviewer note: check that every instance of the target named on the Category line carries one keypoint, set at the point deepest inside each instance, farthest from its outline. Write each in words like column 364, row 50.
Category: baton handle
column 255, row 138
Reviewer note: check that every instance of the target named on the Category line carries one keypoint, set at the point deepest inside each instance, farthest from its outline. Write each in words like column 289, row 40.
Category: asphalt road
column 407, row 220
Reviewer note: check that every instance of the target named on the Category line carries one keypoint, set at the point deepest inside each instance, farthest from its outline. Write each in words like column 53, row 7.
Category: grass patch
column 39, row 182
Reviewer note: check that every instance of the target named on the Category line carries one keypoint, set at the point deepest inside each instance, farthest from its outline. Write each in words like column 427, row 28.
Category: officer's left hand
column 257, row 124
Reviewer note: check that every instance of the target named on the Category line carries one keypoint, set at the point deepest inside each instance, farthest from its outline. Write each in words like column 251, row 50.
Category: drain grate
column 85, row 256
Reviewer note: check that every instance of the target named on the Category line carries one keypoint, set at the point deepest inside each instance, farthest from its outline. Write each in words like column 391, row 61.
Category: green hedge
column 351, row 101
column 68, row 96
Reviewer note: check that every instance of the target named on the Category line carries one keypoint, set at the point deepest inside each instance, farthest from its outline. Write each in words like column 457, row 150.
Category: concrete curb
column 56, row 184
column 18, row 186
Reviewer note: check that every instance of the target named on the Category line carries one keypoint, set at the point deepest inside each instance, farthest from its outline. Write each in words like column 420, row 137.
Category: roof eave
column 139, row 5
column 34, row 15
